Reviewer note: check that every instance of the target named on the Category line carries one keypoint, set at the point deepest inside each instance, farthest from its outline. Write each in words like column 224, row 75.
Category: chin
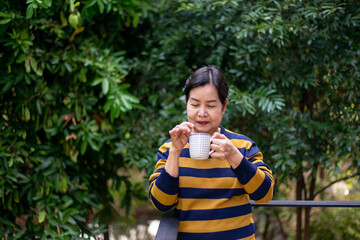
column 203, row 129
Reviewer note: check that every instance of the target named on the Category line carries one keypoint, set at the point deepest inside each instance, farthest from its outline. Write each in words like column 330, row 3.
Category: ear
column 185, row 98
column 224, row 107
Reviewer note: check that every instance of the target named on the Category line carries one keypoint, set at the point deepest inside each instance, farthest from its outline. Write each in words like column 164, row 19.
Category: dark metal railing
column 169, row 222
column 307, row 203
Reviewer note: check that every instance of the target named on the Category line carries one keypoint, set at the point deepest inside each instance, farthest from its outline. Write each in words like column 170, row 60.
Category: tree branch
column 30, row 98
column 336, row 181
column 282, row 230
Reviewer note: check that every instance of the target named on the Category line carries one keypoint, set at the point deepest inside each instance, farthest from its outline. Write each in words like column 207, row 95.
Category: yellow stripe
column 154, row 175
column 257, row 156
column 161, row 163
column 196, row 182
column 255, row 182
column 200, row 204
column 162, row 197
column 252, row 237
column 203, row 164
column 215, row 225
column 257, row 161
column 269, row 194
column 165, row 146
column 241, row 143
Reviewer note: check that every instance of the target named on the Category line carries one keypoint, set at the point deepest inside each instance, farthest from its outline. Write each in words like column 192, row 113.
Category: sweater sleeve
column 163, row 188
column 255, row 175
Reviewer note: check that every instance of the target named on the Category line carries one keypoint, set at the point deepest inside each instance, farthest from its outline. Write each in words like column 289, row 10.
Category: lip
column 202, row 122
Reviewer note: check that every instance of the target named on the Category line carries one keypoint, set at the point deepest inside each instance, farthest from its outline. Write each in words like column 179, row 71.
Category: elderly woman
column 212, row 196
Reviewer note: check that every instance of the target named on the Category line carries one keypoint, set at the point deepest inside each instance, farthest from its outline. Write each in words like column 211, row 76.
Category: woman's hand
column 180, row 135
column 225, row 150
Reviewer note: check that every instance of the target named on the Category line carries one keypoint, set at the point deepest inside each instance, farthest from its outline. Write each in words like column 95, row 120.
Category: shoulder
column 165, row 146
column 233, row 135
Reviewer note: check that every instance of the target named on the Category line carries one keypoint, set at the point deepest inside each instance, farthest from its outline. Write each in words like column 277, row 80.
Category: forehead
column 207, row 92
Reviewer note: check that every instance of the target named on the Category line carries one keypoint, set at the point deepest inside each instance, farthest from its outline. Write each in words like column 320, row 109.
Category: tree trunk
column 267, row 224
column 311, row 197
column 107, row 234
column 307, row 223
column 299, row 189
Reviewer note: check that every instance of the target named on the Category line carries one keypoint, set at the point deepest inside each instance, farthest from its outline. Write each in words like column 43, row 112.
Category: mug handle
column 212, row 150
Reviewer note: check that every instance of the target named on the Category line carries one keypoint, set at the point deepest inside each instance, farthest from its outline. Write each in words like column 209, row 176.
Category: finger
column 217, row 135
column 184, row 129
column 174, row 132
column 217, row 141
column 189, row 124
column 175, row 129
column 217, row 155
column 216, row 147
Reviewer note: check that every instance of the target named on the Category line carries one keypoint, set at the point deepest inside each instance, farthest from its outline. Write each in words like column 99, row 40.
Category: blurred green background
column 89, row 90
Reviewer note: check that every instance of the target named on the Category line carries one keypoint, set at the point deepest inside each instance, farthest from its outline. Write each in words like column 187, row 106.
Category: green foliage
column 91, row 88
column 65, row 126
column 292, row 68
column 336, row 224
column 293, row 71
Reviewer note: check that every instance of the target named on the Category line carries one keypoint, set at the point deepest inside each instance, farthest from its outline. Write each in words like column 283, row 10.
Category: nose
column 202, row 112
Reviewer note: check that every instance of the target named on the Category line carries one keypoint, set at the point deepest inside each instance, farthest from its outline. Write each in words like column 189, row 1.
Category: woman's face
column 204, row 109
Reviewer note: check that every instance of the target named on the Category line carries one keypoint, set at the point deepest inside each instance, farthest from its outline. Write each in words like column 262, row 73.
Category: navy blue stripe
column 242, row 150
column 245, row 171
column 213, row 214
column 152, row 181
column 206, row 173
column 161, row 155
column 262, row 190
column 230, row 135
column 151, row 186
column 185, row 153
column 238, row 233
column 252, row 151
column 259, row 164
column 159, row 170
column 160, row 206
column 167, row 183
column 210, row 193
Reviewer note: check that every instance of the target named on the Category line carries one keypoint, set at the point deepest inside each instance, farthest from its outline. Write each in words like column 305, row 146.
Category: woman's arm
column 255, row 176
column 164, row 182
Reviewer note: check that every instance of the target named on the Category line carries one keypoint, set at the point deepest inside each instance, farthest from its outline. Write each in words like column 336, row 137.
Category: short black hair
column 208, row 75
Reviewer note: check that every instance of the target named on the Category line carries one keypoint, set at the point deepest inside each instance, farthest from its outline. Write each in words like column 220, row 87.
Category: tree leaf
column 105, row 86
column 63, row 185
column 42, row 215
column 29, row 11
column 5, row 21
column 101, row 6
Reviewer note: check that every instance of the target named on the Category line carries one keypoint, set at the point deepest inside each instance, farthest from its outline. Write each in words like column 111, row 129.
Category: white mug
column 199, row 146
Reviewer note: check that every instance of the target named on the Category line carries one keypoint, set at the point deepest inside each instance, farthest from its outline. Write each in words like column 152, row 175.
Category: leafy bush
column 336, row 224
column 65, row 122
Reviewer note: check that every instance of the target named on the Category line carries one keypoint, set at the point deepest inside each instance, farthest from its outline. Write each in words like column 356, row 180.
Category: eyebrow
column 196, row 100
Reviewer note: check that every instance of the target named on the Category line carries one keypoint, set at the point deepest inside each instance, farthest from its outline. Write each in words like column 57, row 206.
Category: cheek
column 217, row 116
column 190, row 113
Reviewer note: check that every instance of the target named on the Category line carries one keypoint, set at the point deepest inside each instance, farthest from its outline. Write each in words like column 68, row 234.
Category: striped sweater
column 213, row 199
